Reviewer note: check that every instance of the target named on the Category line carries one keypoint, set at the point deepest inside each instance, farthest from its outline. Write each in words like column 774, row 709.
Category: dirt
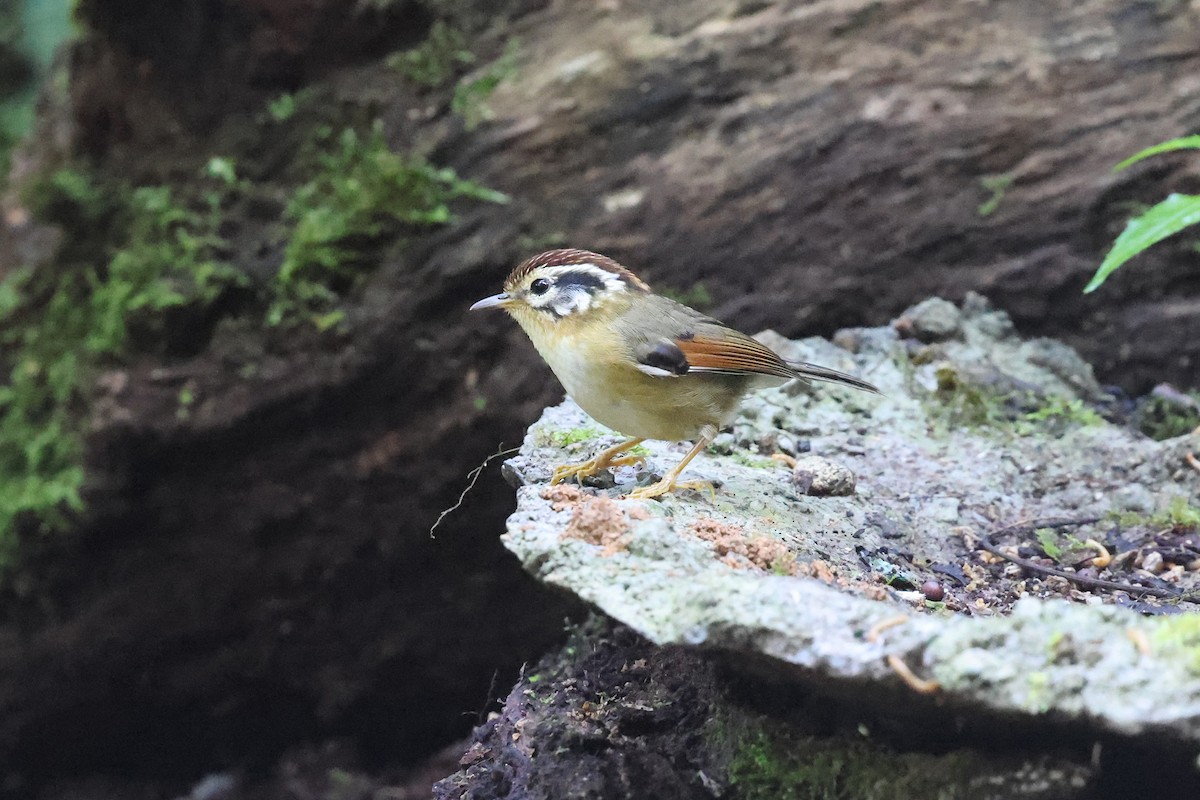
column 610, row 716
column 733, row 547
column 595, row 520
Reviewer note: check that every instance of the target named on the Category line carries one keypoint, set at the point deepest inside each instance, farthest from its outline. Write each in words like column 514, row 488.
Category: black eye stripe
column 581, row 279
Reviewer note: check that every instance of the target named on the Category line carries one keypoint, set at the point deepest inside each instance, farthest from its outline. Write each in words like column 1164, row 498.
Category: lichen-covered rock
column 973, row 441
column 931, row 320
column 821, row 477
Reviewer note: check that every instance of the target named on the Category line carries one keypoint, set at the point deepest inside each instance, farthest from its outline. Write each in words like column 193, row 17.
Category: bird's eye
column 540, row 286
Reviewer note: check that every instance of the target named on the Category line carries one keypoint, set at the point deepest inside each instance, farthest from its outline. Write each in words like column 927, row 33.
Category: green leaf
column 223, row 169
column 1182, row 143
column 1048, row 540
column 1170, row 216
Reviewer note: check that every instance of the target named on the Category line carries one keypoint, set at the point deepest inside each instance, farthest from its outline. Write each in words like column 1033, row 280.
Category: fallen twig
column 986, row 543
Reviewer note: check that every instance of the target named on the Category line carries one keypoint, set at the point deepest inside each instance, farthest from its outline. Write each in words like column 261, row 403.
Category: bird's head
column 564, row 285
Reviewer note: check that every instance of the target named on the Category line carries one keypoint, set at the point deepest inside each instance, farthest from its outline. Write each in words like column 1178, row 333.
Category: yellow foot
column 664, row 486
column 592, row 466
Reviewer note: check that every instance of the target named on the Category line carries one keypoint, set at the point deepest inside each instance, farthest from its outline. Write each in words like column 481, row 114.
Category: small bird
column 637, row 362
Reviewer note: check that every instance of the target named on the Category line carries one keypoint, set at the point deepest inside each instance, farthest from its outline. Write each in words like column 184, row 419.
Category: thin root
column 472, row 477
column 917, row 684
column 784, row 458
column 880, row 627
column 1104, row 559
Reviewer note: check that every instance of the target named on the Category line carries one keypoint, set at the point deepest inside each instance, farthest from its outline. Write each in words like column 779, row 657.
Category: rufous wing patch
column 735, row 354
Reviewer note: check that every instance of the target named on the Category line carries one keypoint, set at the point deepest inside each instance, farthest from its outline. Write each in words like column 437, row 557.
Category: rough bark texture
column 266, row 563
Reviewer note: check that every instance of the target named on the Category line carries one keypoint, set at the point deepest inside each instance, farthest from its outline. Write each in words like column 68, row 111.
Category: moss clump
column 1164, row 418
column 1179, row 514
column 1179, row 637
column 435, row 61
column 128, row 257
column 770, row 762
column 754, row 462
column 574, row 436
column 442, row 57
column 471, row 93
column 139, row 266
column 964, row 403
column 1058, row 413
column 361, row 195
column 170, row 260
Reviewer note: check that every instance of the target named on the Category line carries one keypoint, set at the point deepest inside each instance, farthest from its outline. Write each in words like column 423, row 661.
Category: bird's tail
column 819, row 373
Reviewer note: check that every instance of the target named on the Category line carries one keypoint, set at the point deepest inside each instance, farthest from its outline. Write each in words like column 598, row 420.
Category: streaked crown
column 564, row 282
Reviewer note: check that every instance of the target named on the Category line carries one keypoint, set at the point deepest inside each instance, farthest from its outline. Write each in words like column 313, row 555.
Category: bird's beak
column 495, row 301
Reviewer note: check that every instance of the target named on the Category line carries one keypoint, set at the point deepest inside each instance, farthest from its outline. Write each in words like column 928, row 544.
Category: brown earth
column 260, row 572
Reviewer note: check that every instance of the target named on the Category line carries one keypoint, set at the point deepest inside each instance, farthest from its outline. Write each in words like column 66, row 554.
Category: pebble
column 931, row 320
column 821, row 477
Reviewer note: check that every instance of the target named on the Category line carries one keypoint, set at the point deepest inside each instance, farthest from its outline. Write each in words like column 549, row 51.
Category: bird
column 638, row 362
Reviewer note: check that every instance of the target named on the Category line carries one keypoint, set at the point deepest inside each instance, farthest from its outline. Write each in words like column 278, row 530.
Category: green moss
column 998, row 186
column 770, row 762
column 283, row 107
column 471, row 93
column 170, row 259
column 361, row 196
column 1056, row 414
column 574, row 436
column 784, row 564
column 435, row 61
column 128, row 256
column 755, row 462
column 962, row 403
column 1179, row 637
column 1160, row 418
column 1179, row 513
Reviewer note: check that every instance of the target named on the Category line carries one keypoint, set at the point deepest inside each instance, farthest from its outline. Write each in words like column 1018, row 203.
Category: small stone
column 933, row 591
column 821, row 477
column 1152, row 562
column 932, row 320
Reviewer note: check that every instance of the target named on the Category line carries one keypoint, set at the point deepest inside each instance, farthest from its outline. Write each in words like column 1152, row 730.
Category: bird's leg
column 603, row 459
column 669, row 482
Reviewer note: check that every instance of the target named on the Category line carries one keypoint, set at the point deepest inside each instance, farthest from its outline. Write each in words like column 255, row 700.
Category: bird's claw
column 664, row 486
column 578, row 471
column 592, row 466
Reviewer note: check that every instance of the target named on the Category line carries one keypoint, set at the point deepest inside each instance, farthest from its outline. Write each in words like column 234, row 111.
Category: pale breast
column 607, row 385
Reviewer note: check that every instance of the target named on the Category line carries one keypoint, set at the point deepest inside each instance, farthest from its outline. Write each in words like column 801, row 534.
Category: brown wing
column 700, row 344
column 733, row 353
